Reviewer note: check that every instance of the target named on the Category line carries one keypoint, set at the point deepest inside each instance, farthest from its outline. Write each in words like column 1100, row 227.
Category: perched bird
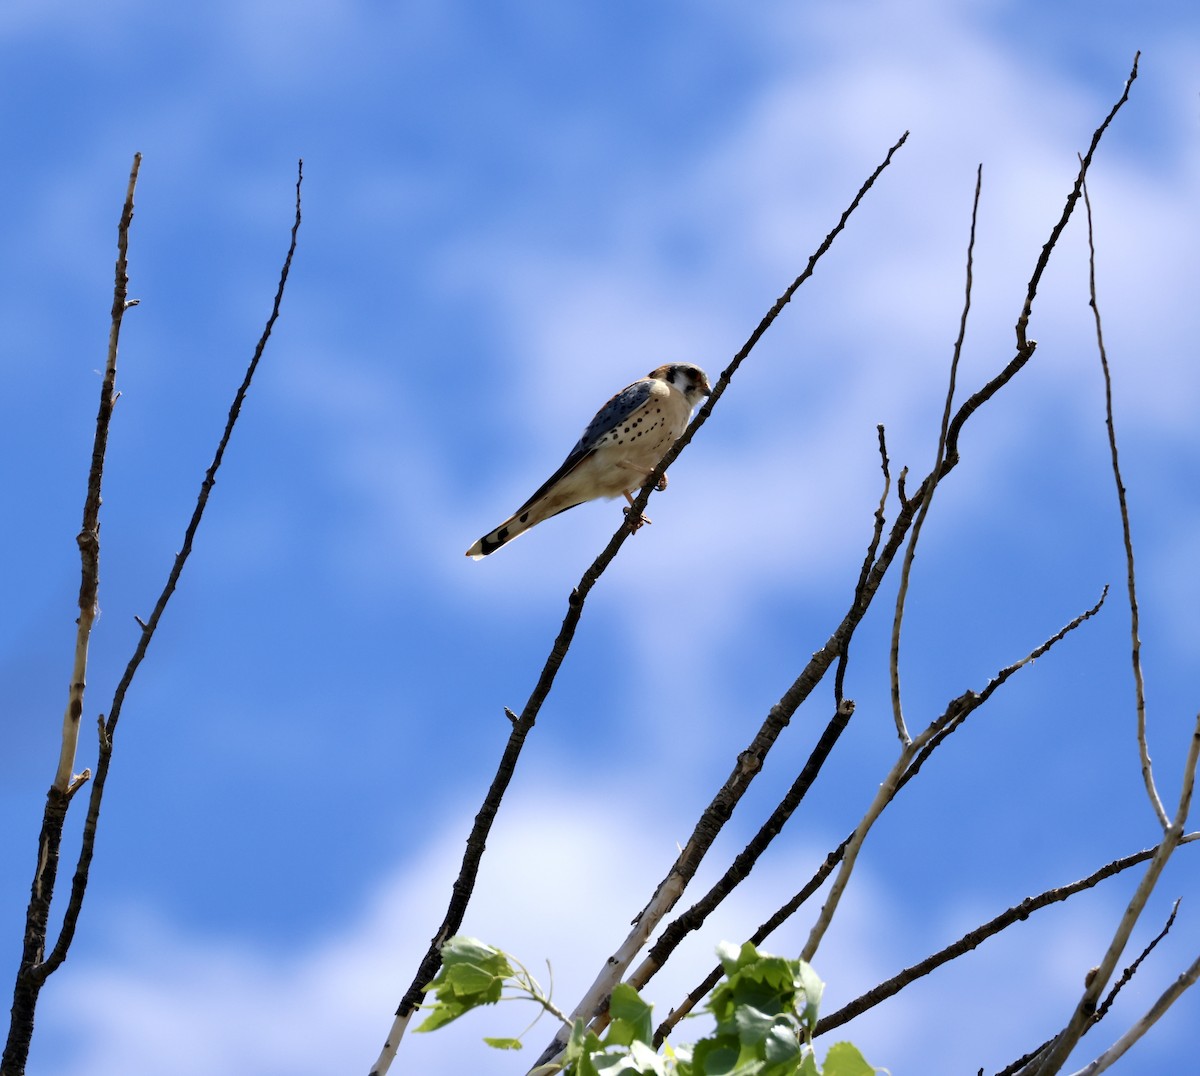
column 617, row 452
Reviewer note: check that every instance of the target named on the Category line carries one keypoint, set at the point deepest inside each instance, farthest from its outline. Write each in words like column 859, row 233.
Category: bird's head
column 685, row 378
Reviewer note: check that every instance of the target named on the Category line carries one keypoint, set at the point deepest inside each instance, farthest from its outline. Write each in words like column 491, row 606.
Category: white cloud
column 567, row 866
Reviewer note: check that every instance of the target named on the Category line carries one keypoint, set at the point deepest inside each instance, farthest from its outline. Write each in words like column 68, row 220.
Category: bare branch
column 955, row 714
column 1025, row 346
column 65, row 783
column 971, row 940
column 108, row 731
column 1131, row 971
column 1164, row 1002
column 1053, row 1058
column 865, row 572
column 1128, row 974
column 639, row 504
column 1138, row 682
column 935, row 474
column 89, row 535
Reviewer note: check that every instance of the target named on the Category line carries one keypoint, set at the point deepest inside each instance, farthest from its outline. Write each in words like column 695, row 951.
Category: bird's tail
column 528, row 515
column 511, row 528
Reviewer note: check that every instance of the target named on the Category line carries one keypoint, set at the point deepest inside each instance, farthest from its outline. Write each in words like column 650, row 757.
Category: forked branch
column 34, row 970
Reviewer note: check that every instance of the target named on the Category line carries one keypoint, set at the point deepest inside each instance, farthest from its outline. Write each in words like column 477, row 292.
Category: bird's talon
column 636, row 524
column 661, row 484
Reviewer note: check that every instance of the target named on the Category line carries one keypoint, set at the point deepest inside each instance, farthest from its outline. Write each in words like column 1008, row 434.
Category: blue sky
column 511, row 211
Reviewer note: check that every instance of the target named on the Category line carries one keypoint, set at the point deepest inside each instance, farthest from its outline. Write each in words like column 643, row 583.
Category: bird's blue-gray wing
column 611, row 415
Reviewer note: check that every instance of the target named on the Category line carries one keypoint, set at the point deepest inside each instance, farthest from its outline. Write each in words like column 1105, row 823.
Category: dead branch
column 65, row 784
column 935, row 474
column 1139, row 684
column 974, row 938
column 1053, row 1058
column 34, row 971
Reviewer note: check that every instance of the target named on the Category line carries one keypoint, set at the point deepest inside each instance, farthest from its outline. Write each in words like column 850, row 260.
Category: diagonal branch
column 739, row 870
column 955, row 714
column 744, row 862
column 722, row 384
column 1102, row 1011
column 973, row 939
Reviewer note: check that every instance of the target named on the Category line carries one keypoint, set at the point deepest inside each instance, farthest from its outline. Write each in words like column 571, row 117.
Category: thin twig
column 839, row 677
column 935, row 474
column 1127, row 532
column 639, row 504
column 971, row 940
column 1131, row 971
column 1025, row 346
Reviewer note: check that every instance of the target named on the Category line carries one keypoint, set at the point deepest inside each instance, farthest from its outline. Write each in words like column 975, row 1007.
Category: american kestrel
column 617, row 451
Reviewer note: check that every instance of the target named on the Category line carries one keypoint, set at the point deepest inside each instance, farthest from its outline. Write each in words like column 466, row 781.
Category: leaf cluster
column 765, row 1009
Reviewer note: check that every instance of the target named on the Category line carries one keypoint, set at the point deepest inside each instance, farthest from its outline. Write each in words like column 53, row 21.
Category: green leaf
column 638, row 1059
column 580, row 1047
column 764, row 982
column 631, row 1017
column 753, row 1025
column 503, row 1044
column 472, row 974
column 467, row 979
column 462, row 949
column 844, row 1059
column 810, row 984
column 716, row 1056
column 729, row 955
column 440, row 1014
column 782, row 1044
